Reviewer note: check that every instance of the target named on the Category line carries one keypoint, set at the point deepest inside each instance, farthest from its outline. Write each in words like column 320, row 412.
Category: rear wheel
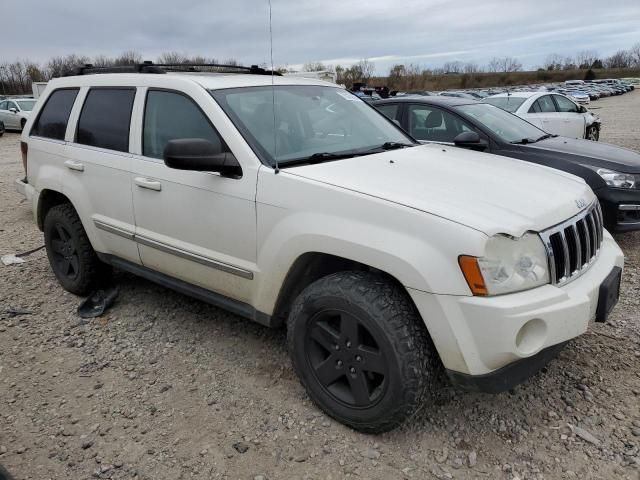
column 22, row 124
column 361, row 350
column 72, row 258
column 593, row 133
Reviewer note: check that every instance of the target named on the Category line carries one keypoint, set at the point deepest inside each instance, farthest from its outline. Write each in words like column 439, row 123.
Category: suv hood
column 486, row 192
column 586, row 152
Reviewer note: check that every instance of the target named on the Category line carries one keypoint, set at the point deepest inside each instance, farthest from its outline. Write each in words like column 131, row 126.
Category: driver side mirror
column 470, row 140
column 201, row 155
column 582, row 109
column 13, row 110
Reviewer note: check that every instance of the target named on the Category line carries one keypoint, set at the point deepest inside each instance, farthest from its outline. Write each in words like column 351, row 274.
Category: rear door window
column 105, row 118
column 54, row 116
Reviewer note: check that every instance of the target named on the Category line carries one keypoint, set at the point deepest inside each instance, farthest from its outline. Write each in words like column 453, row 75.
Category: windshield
column 510, row 104
column 308, row 120
column 508, row 127
column 26, row 105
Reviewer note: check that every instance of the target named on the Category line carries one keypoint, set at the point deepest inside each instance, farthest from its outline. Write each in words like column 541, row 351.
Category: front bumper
column 621, row 209
column 479, row 335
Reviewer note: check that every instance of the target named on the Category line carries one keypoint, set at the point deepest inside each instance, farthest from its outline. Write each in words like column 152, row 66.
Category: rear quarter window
column 105, row 118
column 54, row 116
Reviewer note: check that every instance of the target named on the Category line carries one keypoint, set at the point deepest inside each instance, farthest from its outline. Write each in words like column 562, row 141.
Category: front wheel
column 361, row 350
column 593, row 133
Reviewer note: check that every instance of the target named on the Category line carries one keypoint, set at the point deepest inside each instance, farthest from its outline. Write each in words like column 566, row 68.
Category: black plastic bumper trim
column 507, row 377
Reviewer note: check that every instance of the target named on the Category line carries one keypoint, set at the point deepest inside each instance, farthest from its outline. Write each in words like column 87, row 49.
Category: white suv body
column 252, row 242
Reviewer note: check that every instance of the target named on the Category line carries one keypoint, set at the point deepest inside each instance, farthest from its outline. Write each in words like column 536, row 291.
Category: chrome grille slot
column 573, row 245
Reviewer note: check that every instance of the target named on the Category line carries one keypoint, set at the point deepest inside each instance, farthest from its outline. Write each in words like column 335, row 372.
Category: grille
column 572, row 246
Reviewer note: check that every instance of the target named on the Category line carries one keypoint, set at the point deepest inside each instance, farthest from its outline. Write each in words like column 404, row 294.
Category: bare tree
column 59, row 66
column 173, row 57
column 453, row 67
column 634, row 53
column 586, row 58
column 128, row 58
column 504, row 64
column 366, row 69
column 553, row 62
column 102, row 61
column 620, row 59
column 314, row 67
column 471, row 67
column 569, row 64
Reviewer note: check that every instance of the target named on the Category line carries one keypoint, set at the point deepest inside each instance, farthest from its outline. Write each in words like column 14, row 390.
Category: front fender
column 419, row 250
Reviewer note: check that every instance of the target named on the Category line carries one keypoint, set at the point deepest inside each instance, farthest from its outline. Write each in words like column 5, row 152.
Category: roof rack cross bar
column 150, row 67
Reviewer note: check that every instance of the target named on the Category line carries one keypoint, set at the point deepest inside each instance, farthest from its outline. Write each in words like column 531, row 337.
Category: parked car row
column 387, row 251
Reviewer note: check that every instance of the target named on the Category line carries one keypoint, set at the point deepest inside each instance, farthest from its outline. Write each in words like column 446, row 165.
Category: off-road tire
column 385, row 307
column 89, row 271
column 593, row 133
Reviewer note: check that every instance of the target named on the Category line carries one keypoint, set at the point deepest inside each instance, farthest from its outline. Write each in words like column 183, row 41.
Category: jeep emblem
column 581, row 203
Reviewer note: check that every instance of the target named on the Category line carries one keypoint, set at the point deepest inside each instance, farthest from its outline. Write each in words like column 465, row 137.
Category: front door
column 573, row 122
column 199, row 227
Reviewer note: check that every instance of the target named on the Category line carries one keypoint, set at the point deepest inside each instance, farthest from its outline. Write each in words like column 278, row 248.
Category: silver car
column 14, row 112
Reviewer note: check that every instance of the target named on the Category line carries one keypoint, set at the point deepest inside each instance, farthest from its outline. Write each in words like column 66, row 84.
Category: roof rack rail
column 150, row 67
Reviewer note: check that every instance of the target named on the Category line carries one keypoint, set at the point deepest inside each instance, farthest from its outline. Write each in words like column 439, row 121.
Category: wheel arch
column 46, row 201
column 312, row 266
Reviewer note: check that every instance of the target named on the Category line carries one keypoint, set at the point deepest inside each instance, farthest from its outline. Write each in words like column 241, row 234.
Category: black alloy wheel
column 346, row 359
column 64, row 252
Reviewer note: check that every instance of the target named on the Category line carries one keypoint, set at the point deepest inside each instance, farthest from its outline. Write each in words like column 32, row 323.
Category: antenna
column 273, row 95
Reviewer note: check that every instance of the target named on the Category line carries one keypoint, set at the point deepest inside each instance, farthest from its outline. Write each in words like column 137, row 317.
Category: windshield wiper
column 524, row 141
column 395, row 145
column 544, row 137
column 318, row 157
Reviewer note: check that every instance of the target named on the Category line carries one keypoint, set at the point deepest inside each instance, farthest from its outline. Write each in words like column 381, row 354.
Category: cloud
column 426, row 32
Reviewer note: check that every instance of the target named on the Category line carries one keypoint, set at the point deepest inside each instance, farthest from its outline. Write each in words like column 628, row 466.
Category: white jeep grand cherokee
column 298, row 203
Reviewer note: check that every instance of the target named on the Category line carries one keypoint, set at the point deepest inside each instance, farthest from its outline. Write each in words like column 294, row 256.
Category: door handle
column 77, row 166
column 148, row 183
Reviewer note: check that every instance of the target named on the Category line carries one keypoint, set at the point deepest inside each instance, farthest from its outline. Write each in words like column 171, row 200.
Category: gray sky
column 425, row 32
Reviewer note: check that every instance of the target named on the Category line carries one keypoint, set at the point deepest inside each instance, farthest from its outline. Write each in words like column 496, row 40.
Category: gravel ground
column 166, row 387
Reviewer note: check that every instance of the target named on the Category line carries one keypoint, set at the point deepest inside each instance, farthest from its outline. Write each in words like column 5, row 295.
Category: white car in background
column 552, row 112
column 14, row 112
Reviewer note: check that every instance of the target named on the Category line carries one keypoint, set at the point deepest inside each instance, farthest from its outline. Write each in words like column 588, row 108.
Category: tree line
column 16, row 77
column 413, row 76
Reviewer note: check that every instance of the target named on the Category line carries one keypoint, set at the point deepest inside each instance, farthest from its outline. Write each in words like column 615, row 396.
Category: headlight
column 617, row 179
column 509, row 265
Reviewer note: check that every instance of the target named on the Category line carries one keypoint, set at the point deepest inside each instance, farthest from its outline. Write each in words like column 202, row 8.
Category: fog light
column 531, row 336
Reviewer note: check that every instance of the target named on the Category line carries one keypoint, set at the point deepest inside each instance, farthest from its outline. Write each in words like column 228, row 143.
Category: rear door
column 97, row 169
column 544, row 114
column 573, row 122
